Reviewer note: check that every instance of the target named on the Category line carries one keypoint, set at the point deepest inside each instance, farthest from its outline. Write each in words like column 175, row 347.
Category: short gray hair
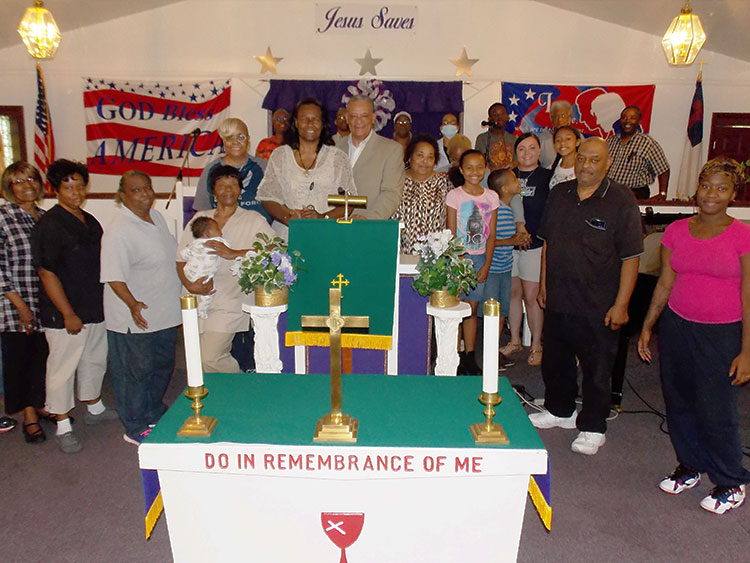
column 558, row 105
column 361, row 98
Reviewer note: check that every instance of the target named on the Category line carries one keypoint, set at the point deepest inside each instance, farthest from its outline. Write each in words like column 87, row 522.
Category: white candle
column 491, row 345
column 192, row 340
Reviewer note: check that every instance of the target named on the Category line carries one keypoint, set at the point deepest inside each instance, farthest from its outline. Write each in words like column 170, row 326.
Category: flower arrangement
column 442, row 266
column 267, row 263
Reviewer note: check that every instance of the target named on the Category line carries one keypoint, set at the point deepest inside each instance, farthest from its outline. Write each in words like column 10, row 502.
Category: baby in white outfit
column 200, row 261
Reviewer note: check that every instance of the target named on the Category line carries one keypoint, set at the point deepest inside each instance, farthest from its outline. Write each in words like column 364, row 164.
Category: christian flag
column 691, row 154
column 150, row 125
column 44, row 140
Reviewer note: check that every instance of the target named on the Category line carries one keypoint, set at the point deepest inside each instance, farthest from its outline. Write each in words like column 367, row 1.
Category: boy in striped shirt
column 498, row 284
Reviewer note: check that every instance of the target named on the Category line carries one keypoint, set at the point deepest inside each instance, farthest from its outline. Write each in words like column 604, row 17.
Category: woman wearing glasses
column 303, row 172
column 236, row 140
column 24, row 347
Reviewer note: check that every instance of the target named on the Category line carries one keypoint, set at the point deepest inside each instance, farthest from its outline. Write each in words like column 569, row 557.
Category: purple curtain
column 427, row 102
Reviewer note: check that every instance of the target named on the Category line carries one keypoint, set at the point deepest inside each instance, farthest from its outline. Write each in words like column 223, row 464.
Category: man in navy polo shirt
column 592, row 232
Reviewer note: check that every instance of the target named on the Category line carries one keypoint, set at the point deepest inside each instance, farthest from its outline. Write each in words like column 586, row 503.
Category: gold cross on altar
column 340, row 281
column 335, row 427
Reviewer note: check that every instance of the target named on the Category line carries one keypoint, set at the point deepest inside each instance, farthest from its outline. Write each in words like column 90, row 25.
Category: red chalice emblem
column 342, row 528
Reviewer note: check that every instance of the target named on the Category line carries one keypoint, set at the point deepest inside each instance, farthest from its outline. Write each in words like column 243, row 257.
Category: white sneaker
column 546, row 419
column 588, row 443
column 722, row 499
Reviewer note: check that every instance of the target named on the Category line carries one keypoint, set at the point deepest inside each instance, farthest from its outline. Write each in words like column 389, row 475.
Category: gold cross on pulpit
column 335, row 426
column 340, row 281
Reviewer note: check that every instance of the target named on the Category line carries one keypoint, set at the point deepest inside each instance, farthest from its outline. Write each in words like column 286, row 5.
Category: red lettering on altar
column 281, row 460
column 382, row 463
column 324, row 462
column 295, row 462
column 210, row 461
column 462, row 464
column 476, row 464
column 223, row 461
column 353, row 463
column 268, row 461
column 368, row 464
column 310, row 462
column 338, row 462
column 248, row 461
column 408, row 462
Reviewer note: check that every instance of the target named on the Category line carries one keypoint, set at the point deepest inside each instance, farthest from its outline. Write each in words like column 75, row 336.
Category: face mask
column 448, row 131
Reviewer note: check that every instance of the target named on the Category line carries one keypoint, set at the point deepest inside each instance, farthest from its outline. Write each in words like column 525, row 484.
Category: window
column 12, row 135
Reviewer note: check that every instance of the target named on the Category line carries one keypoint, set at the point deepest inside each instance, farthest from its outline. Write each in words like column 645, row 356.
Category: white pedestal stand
column 266, row 326
column 446, row 332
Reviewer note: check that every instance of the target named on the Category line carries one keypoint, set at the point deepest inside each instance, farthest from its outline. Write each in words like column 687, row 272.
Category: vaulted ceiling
column 726, row 21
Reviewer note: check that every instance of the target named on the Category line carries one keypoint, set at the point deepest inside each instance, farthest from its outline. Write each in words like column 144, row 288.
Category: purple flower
column 265, row 262
column 275, row 258
column 289, row 278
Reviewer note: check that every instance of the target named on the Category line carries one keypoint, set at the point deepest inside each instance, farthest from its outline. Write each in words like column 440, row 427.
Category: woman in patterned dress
column 24, row 347
column 422, row 207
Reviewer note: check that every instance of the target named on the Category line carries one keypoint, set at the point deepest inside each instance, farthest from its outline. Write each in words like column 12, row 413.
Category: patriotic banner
column 44, row 140
column 691, row 155
column 596, row 109
column 150, row 125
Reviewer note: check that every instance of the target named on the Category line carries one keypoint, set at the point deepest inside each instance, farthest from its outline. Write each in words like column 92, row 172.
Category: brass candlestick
column 489, row 432
column 197, row 425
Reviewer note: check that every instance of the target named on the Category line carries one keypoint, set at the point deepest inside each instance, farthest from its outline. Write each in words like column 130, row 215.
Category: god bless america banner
column 150, row 126
column 596, row 109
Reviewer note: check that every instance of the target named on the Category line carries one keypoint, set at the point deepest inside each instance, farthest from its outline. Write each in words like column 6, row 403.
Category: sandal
column 34, row 437
column 509, row 349
column 535, row 358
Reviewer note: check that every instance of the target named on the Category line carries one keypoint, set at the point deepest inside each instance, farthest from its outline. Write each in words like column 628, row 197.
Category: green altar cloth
column 401, row 411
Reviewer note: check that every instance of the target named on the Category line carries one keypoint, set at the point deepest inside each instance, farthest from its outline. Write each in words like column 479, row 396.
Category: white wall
column 515, row 40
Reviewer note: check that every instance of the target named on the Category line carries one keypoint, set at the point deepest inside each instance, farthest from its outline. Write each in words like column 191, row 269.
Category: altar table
column 413, row 488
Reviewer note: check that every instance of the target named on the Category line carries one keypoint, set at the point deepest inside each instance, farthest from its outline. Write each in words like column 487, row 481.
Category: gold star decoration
column 268, row 61
column 463, row 63
column 367, row 64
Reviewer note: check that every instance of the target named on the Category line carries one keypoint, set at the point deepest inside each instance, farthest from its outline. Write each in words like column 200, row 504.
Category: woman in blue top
column 527, row 261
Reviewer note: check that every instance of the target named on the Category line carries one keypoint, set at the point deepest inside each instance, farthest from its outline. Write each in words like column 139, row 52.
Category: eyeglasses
column 231, row 138
column 281, row 118
column 403, row 122
column 19, row 181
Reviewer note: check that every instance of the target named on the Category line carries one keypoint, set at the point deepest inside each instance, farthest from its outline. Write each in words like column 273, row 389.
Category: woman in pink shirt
column 704, row 338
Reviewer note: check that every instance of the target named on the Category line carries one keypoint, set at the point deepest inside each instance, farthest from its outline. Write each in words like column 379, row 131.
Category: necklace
column 307, row 168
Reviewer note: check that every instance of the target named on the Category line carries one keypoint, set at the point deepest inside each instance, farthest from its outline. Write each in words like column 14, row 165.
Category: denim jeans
column 140, row 366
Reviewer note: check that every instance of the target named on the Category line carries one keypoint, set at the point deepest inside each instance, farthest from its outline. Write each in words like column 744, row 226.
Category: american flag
column 150, row 125
column 44, row 140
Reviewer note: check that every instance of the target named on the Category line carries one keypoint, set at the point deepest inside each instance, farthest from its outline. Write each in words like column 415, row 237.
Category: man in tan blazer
column 377, row 162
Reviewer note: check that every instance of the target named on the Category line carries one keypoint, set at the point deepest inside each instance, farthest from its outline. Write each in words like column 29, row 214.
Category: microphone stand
column 178, row 179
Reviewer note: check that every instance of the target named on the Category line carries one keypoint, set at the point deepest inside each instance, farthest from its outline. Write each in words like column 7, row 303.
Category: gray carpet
column 89, row 508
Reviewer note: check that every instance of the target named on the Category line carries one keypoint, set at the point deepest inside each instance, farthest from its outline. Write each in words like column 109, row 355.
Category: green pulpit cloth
column 365, row 253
